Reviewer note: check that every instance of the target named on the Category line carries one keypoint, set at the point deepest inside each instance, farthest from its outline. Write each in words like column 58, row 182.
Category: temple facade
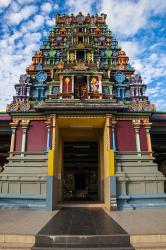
column 80, row 122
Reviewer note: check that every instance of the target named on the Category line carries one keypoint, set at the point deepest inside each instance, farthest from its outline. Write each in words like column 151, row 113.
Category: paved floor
column 82, row 221
column 144, row 221
column 20, row 221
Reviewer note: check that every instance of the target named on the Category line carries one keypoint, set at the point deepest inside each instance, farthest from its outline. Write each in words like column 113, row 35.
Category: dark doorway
column 80, row 171
column 80, row 39
column 80, row 55
column 80, row 181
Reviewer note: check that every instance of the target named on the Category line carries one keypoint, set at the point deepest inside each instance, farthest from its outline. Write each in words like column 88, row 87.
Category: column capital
column 14, row 124
column 108, row 118
column 136, row 124
column 148, row 125
column 53, row 121
column 114, row 123
column 25, row 123
column 48, row 123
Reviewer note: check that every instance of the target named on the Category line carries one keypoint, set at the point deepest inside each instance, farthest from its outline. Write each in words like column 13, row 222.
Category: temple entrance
column 81, row 171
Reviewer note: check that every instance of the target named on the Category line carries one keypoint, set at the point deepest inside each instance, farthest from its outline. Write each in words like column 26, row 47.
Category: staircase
column 116, row 242
column 82, row 228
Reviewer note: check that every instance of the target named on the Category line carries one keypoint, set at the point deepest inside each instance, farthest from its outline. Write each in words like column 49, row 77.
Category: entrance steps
column 80, row 242
column 112, row 242
column 16, row 242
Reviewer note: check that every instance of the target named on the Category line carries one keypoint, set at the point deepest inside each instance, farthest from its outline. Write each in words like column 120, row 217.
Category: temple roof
column 80, row 63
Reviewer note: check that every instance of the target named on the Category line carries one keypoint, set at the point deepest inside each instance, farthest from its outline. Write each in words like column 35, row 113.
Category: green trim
column 27, row 114
column 84, row 111
column 77, row 112
column 3, row 113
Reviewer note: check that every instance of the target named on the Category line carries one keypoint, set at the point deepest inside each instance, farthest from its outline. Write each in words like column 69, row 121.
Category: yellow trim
column 111, row 162
column 51, row 160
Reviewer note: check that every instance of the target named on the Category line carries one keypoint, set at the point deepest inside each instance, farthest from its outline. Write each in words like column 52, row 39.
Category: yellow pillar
column 148, row 138
column 51, row 152
column 110, row 152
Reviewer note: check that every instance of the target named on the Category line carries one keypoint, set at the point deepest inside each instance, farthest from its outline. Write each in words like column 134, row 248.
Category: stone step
column 83, row 241
column 12, row 238
column 145, row 238
column 71, row 247
column 16, row 246
column 150, row 246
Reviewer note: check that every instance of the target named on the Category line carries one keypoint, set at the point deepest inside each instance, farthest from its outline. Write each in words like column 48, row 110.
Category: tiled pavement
column 82, row 228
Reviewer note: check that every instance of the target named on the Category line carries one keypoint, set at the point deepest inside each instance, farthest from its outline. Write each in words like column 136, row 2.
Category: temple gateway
column 80, row 122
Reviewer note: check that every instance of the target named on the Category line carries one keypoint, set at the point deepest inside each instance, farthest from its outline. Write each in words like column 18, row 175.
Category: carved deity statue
column 95, row 85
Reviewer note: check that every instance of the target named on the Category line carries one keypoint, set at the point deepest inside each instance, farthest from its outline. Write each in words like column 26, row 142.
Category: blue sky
column 139, row 26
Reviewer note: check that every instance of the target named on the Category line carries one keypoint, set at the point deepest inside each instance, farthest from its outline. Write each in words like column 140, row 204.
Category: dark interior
column 80, row 171
column 80, row 55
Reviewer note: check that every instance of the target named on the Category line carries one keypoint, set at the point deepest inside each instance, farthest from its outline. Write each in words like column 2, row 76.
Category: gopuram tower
column 80, row 124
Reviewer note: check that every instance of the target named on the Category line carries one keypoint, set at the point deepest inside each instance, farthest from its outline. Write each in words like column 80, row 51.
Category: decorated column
column 136, row 124
column 110, row 89
column 113, row 136
column 24, row 124
column 148, row 138
column 48, row 136
column 72, row 86
column 61, row 85
column 13, row 137
column 88, row 85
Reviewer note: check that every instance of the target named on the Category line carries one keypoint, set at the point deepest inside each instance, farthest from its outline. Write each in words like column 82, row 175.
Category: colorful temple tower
column 80, row 124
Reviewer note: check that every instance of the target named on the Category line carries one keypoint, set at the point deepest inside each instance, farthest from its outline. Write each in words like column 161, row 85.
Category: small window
column 80, row 55
column 80, row 39
column 80, row 30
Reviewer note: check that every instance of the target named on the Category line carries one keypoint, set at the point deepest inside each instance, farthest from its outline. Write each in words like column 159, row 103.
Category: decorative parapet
column 80, row 66
column 18, row 107
column 142, row 106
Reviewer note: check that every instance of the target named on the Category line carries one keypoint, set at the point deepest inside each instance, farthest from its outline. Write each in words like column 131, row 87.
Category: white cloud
column 132, row 48
column 56, row 6
column 25, row 13
column 23, row 2
column 33, row 25
column 4, row 3
column 76, row 6
column 151, row 68
column 128, row 17
column 46, row 7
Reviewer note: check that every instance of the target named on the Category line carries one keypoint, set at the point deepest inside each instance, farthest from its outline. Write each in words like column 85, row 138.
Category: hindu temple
column 80, row 123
